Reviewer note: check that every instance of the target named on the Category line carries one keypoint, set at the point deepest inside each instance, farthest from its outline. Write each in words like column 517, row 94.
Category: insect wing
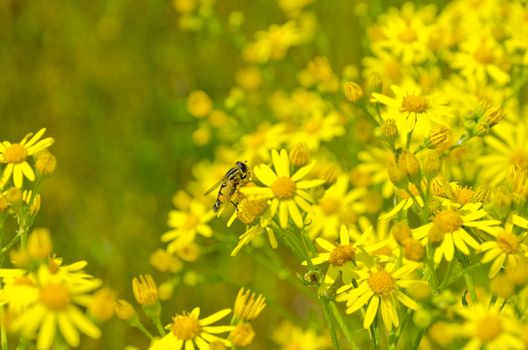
column 213, row 187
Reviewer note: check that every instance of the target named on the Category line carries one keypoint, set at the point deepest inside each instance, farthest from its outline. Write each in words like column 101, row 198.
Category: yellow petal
column 67, row 330
column 372, row 310
column 295, row 213
column 283, row 214
column 215, row 317
column 28, row 171
column 18, row 178
column 265, row 174
column 83, row 323
column 46, row 335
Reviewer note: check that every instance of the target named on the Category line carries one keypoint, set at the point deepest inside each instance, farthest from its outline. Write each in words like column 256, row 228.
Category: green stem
column 396, row 339
column 3, row 334
column 342, row 324
column 471, row 287
column 159, row 327
column 21, row 344
column 446, row 276
column 430, row 265
column 418, row 339
column 374, row 335
column 328, row 318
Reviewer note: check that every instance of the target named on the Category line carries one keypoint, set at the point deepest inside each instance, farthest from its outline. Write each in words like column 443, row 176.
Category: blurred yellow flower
column 287, row 193
column 290, row 336
column 199, row 104
column 489, row 328
column 15, row 156
column 186, row 224
column 50, row 302
column 248, row 306
column 273, row 43
column 189, row 332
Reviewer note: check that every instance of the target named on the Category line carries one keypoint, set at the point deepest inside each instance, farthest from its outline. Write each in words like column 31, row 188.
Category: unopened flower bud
column 45, row 162
column 145, row 290
column 431, row 164
column 492, row 116
column 375, row 83
column 413, row 249
column 353, row 92
column 242, row 335
column 39, row 244
column 124, row 310
column 102, row 305
column 401, row 231
column 299, row 154
column 440, row 138
column 13, row 195
column 389, row 130
column 410, row 165
column 329, row 173
column 483, row 193
column 397, row 176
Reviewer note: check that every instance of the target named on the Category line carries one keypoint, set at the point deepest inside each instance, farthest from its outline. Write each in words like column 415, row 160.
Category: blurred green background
column 109, row 80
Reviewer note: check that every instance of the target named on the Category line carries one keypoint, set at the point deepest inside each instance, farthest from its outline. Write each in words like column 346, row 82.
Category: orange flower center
column 508, row 242
column 414, row 104
column 489, row 328
column 381, row 282
column 483, row 55
column 190, row 222
column 448, row 221
column 520, row 159
column 16, row 153
column 341, row 255
column 329, row 206
column 185, row 327
column 408, row 35
column 283, row 187
column 55, row 296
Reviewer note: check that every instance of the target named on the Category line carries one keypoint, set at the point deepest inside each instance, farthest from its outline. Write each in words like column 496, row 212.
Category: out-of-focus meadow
column 109, row 81
column 383, row 204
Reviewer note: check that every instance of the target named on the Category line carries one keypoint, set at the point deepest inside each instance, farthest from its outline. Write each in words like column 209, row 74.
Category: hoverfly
column 233, row 179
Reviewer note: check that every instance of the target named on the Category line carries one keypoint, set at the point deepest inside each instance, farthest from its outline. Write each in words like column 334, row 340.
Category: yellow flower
column 478, row 58
column 342, row 257
column 273, row 43
column 405, row 33
column 50, row 303
column 414, row 110
column 286, row 193
column 186, row 224
column 290, row 336
column 15, row 156
column 508, row 249
column 375, row 161
column 489, row 328
column 338, row 206
column 188, row 332
column 506, row 147
column 379, row 289
column 449, row 230
column 199, row 104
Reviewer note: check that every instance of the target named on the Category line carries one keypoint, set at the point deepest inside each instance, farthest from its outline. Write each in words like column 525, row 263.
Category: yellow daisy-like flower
column 15, row 156
column 449, row 230
column 508, row 249
column 489, row 328
column 480, row 57
column 405, row 33
column 341, row 257
column 189, row 332
column 290, row 336
column 338, row 206
column 273, row 43
column 286, row 193
column 50, row 303
column 186, row 224
column 507, row 146
column 379, row 289
column 414, row 110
